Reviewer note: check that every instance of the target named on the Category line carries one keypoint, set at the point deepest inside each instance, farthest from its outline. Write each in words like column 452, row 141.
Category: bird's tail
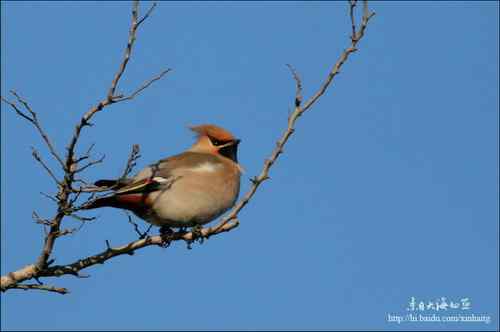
column 107, row 200
column 121, row 200
column 110, row 201
column 132, row 202
column 112, row 183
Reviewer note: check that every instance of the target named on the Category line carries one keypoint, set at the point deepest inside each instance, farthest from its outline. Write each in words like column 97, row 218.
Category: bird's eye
column 216, row 142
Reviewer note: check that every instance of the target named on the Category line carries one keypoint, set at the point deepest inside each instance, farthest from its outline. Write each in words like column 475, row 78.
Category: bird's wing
column 183, row 162
column 164, row 172
column 141, row 186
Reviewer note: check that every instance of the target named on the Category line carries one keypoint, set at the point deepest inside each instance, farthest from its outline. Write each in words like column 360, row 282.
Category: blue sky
column 387, row 191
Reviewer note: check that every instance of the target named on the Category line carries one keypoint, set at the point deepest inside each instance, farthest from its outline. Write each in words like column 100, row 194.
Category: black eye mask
column 216, row 142
column 230, row 151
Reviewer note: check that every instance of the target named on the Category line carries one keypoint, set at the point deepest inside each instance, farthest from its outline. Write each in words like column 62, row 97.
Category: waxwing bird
column 185, row 190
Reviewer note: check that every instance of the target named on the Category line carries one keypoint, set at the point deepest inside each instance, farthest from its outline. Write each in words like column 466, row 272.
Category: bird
column 189, row 189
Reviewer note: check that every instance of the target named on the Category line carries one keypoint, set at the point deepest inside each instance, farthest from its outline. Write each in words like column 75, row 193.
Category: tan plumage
column 188, row 189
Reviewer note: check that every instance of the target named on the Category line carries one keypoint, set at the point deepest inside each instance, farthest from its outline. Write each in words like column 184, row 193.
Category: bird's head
column 216, row 140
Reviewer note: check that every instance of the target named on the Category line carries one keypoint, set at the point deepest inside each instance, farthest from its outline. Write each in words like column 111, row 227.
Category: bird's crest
column 213, row 131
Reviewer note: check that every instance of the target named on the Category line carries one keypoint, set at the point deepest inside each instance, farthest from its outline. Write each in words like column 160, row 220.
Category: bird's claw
column 166, row 236
column 197, row 235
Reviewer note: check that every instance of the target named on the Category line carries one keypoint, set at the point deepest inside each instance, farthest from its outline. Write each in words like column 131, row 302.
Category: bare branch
column 49, row 197
column 60, row 290
column 75, row 198
column 100, row 258
column 128, row 50
column 66, row 232
column 34, row 120
column 343, row 58
column 298, row 84
column 136, row 227
column 13, row 278
column 299, row 110
column 131, row 162
column 37, row 157
column 43, row 267
column 367, row 15
column 40, row 220
column 73, row 209
column 14, row 107
column 129, row 166
column 66, row 189
column 142, row 87
column 82, row 219
column 86, row 155
column 69, row 164
column 90, row 164
column 147, row 14
column 111, row 98
column 352, row 5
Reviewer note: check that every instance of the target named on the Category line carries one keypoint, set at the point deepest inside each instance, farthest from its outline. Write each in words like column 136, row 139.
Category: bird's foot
column 166, row 236
column 197, row 235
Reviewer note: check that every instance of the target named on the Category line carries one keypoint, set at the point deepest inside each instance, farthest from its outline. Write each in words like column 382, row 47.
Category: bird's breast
column 199, row 195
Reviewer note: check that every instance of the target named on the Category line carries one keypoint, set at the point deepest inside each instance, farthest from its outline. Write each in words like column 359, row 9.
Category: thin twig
column 128, row 50
column 74, row 199
column 90, row 164
column 82, row 219
column 131, row 162
column 37, row 157
column 14, row 278
column 86, row 155
column 352, row 6
column 67, row 189
column 343, row 58
column 67, row 231
column 40, row 220
column 150, row 10
column 14, row 107
column 48, row 196
column 34, row 120
column 143, row 87
column 142, row 235
column 136, row 227
column 299, row 110
column 60, row 290
column 229, row 222
column 298, row 85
